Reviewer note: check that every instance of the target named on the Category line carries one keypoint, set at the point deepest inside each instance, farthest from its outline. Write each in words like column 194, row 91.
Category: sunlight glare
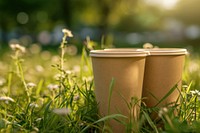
column 167, row 4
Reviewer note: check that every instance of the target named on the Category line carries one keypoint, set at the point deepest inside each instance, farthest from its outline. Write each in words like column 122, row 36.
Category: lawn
column 44, row 91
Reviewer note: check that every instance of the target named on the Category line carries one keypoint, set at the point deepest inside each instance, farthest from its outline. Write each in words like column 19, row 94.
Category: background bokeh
column 123, row 23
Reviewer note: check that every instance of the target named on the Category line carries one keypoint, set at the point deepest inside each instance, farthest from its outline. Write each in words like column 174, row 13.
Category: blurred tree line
column 33, row 16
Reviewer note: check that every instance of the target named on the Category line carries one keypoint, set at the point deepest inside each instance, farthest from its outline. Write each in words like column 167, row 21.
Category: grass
column 49, row 92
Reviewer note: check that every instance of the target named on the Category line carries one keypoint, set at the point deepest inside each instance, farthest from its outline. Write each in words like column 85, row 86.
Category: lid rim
column 156, row 51
column 104, row 53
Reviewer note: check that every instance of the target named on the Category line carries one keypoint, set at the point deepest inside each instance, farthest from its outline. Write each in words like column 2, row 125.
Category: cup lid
column 167, row 51
column 117, row 53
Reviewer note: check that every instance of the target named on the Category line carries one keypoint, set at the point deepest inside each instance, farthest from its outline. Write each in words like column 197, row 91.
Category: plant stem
column 62, row 47
column 9, row 82
column 21, row 74
column 195, row 109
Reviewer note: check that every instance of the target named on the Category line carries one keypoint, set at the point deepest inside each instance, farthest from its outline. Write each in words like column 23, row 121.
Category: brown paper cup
column 163, row 70
column 127, row 70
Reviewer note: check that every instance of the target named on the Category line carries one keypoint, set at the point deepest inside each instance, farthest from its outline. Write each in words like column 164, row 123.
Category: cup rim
column 116, row 53
column 154, row 51
column 167, row 51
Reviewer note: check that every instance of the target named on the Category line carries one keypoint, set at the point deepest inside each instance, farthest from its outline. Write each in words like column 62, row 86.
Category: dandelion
column 31, row 85
column 62, row 111
column 17, row 47
column 6, row 99
column 67, row 32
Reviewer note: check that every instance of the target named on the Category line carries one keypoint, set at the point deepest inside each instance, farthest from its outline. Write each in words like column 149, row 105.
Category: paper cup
column 127, row 70
column 163, row 70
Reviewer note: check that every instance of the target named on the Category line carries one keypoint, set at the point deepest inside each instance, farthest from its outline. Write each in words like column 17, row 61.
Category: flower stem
column 21, row 74
column 62, row 47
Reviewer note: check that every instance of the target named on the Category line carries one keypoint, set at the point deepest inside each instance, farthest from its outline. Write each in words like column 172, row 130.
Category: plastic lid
column 117, row 53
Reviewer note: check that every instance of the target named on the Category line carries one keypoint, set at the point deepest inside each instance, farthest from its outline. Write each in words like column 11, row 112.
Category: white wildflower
column 71, row 50
column 39, row 68
column 198, row 98
column 68, row 72
column 162, row 111
column 59, row 76
column 2, row 81
column 76, row 68
column 76, row 97
column 195, row 92
column 185, row 86
column 67, row 32
column 6, row 122
column 6, row 99
column 17, row 47
column 193, row 67
column 34, row 105
column 31, row 85
column 62, row 111
column 147, row 46
column 87, row 79
column 86, row 68
column 38, row 119
column 53, row 87
column 82, row 123
column 35, row 129
column 4, row 89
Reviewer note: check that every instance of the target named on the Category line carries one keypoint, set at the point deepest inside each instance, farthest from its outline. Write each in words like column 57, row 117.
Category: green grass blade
column 108, row 117
column 170, row 92
column 110, row 93
column 39, row 87
column 150, row 121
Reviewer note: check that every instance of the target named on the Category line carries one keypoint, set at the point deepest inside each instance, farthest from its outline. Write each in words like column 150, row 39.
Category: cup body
column 163, row 70
column 127, row 71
